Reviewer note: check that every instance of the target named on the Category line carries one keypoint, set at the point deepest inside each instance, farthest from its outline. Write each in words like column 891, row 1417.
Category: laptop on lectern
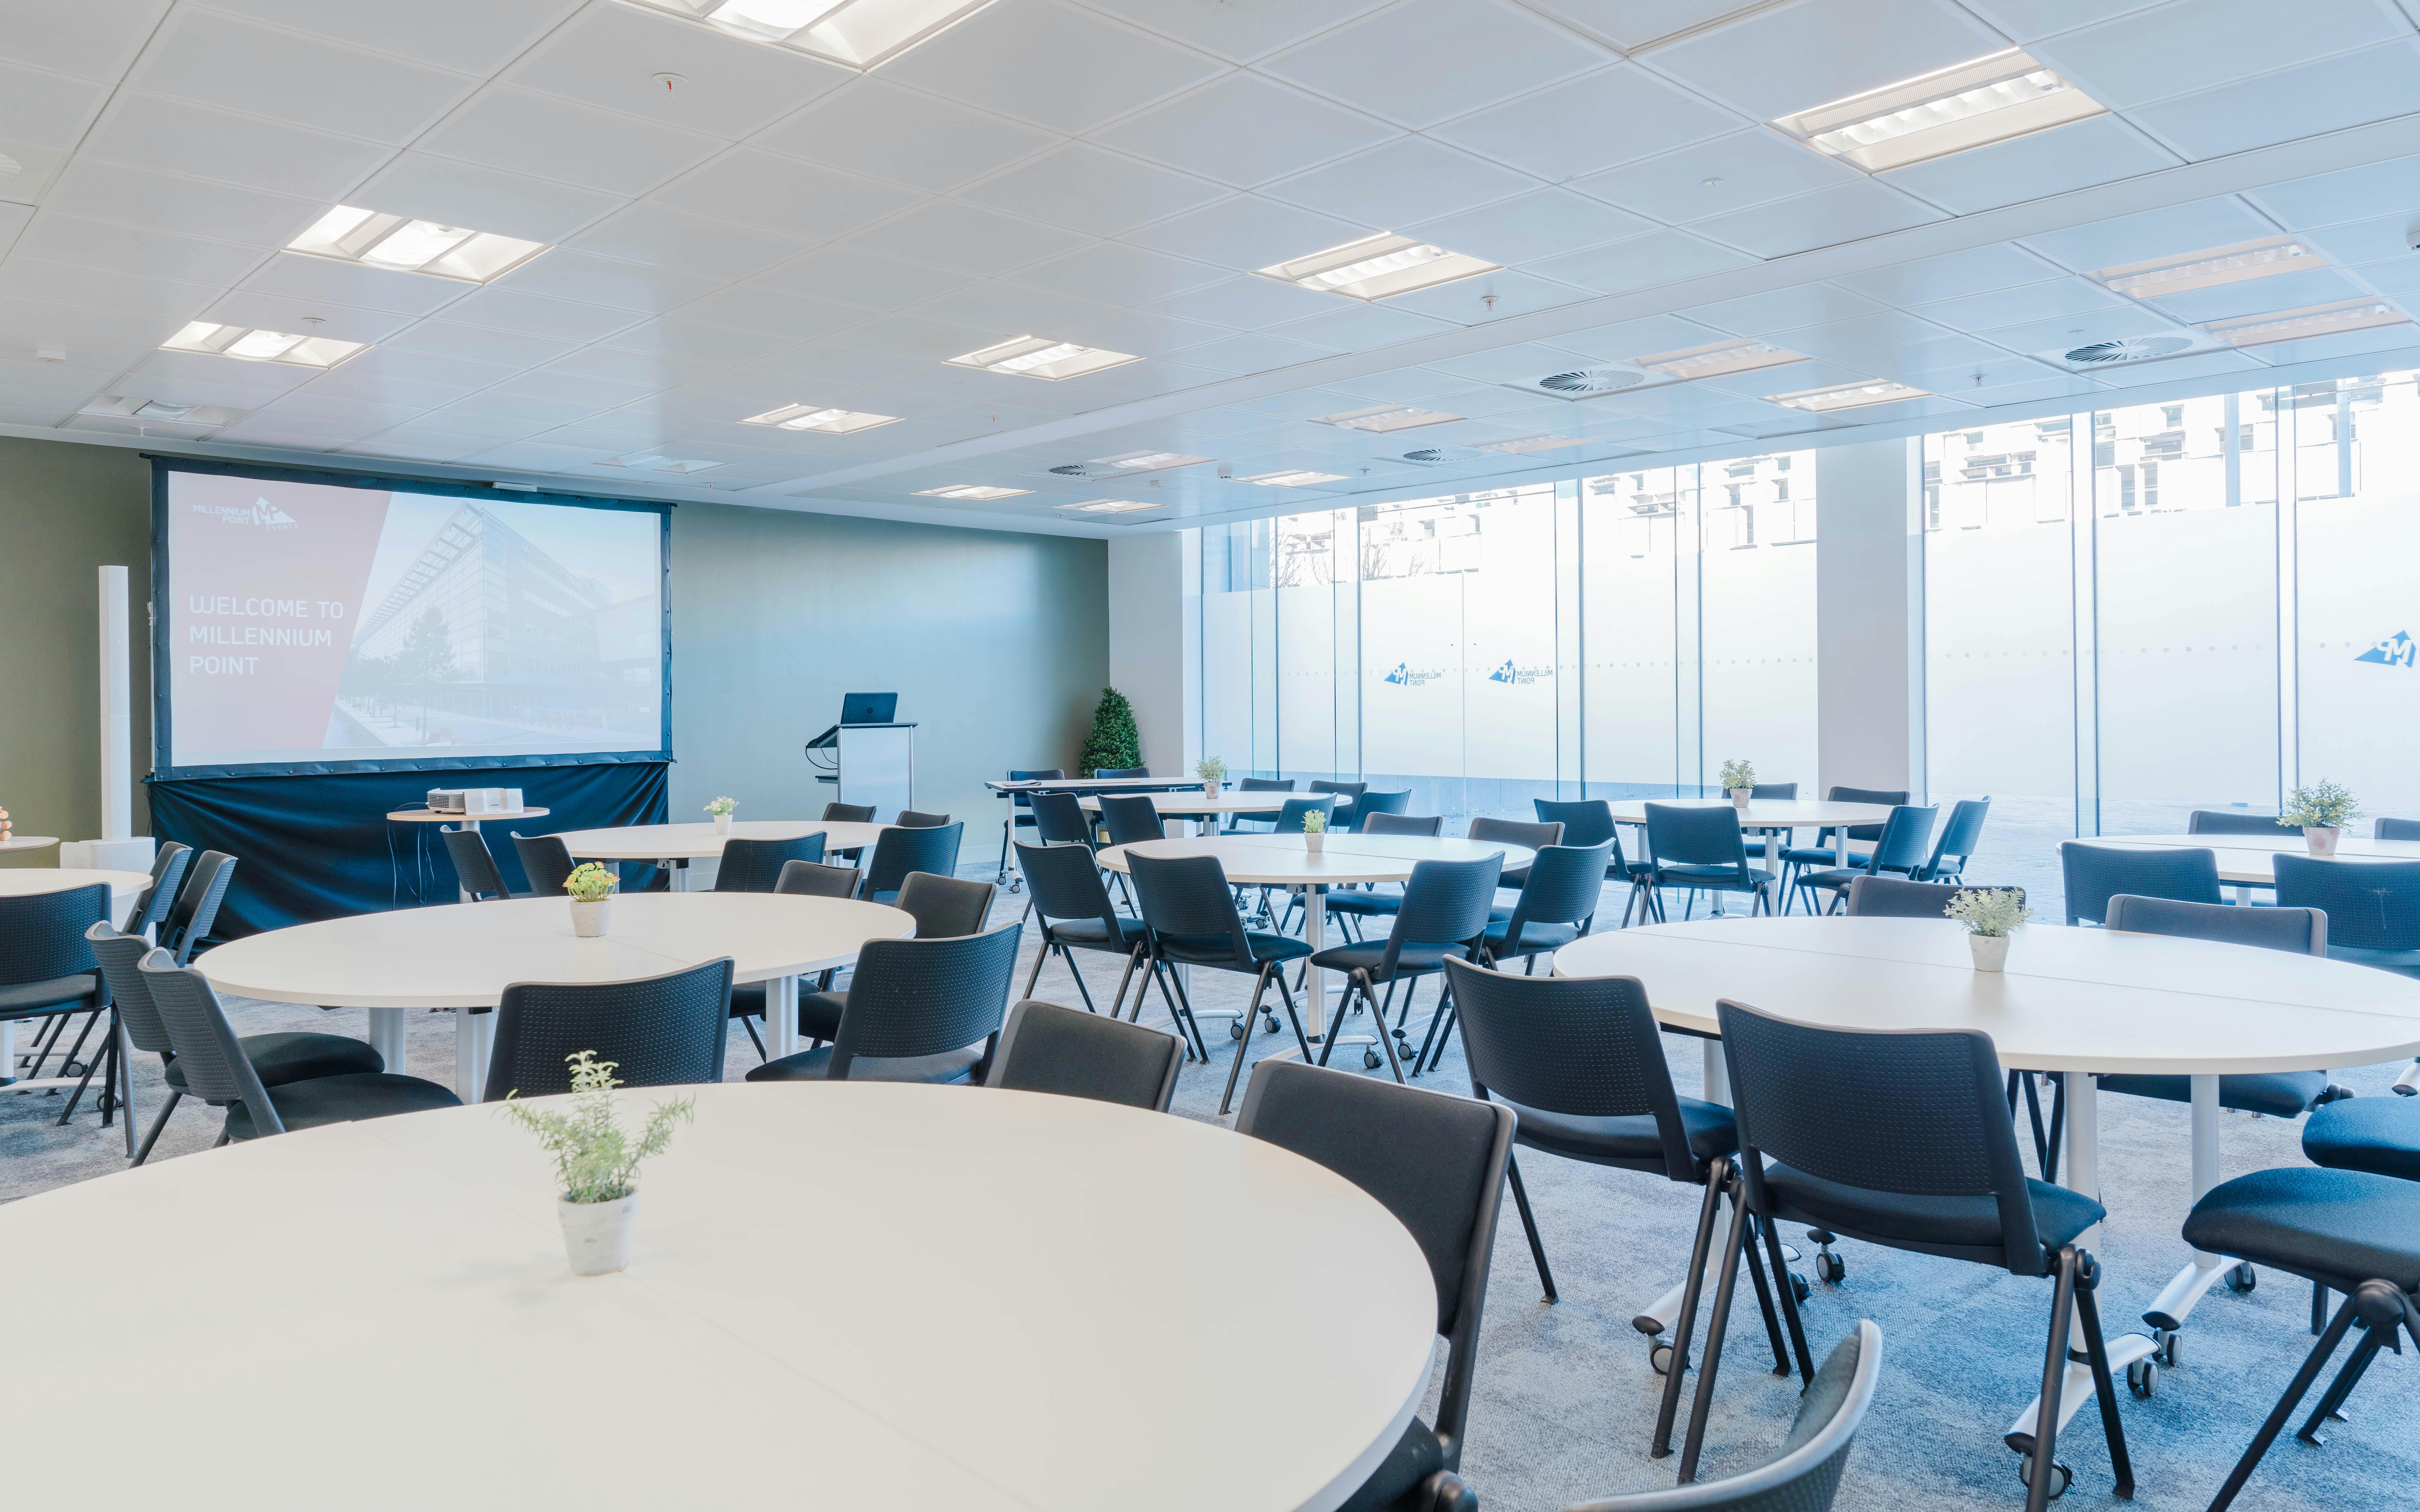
column 868, row 708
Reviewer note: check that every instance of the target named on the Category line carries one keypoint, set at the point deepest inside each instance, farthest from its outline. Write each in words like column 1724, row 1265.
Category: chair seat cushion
column 1094, row 933
column 2402, row 963
column 816, row 1066
column 343, row 1100
column 1930, row 1223
column 1516, row 876
column 1833, row 879
column 284, row 1057
column 2379, row 1134
column 818, row 1013
column 2336, row 1228
column 2285, row 1094
column 1630, row 1141
column 1220, row 951
column 1367, row 955
column 1534, row 938
column 1415, row 1457
column 1712, row 876
column 1821, row 855
column 1366, row 903
column 58, row 994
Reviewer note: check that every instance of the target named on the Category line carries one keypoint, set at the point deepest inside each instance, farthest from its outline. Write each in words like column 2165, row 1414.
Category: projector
column 474, row 800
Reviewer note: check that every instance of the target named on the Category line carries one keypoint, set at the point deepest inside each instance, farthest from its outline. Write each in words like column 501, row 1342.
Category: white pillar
column 1155, row 644
column 116, row 711
column 1869, row 617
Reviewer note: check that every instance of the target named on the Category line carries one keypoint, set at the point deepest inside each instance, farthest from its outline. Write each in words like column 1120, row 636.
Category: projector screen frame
column 162, row 728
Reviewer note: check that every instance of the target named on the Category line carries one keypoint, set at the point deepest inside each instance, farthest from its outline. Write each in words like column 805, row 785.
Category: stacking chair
column 1437, row 1163
column 1699, row 847
column 944, row 908
column 196, row 907
column 2372, row 907
column 1020, row 813
column 1114, row 773
column 917, row 1011
column 897, row 852
column 2228, row 822
column 1444, row 912
column 1258, row 784
column 1348, row 806
column 1131, row 819
column 1557, row 904
column 657, row 1031
column 1377, row 803
column 1046, row 1048
column 1795, row 859
column 217, row 1070
column 2376, row 1134
column 275, row 1058
column 1902, row 848
column 912, row 819
column 1909, row 1147
column 1289, row 821
column 167, row 872
column 2285, row 1094
column 2349, row 1231
column 2096, row 873
column 47, row 971
column 1772, row 792
column 1073, row 907
column 1059, row 820
column 2395, row 829
column 1353, row 907
column 1890, row 898
column 1590, row 822
column 756, row 865
column 1960, row 835
column 475, row 865
column 546, row 861
column 1535, row 837
column 799, row 879
column 1806, row 1476
column 857, row 814
column 1190, row 919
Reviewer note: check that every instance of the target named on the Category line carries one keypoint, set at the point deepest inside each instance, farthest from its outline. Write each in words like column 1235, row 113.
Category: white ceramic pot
column 1209, row 790
column 1740, row 796
column 597, row 1235
column 589, row 918
column 2321, row 841
column 1991, row 951
column 1312, row 842
column 722, row 824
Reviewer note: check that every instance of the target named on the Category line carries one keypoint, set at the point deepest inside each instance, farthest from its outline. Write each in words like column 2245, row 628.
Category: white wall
column 1155, row 651
column 1870, row 618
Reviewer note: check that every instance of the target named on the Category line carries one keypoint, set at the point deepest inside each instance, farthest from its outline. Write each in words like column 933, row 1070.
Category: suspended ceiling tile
column 1237, row 32
column 1588, row 125
column 171, row 136
column 2025, row 20
column 1866, row 337
column 2261, row 295
column 876, row 128
column 1245, row 303
column 2201, row 364
column 1085, row 189
column 2402, row 276
column 1013, row 309
column 1626, row 339
column 2352, row 195
column 1120, row 273
column 1749, row 167
column 2363, row 241
column 791, row 317
column 968, row 238
column 1255, row 352
column 235, row 65
column 1827, row 217
column 1050, row 64
column 126, row 249
column 798, row 199
column 2399, row 339
column 2044, row 300
column 1510, row 365
column 1953, row 275
column 663, row 236
column 2305, row 101
column 2076, row 156
column 1792, row 57
column 565, row 274
column 1243, row 130
column 2071, row 330
column 693, row 338
column 1631, row 24
column 370, row 383
column 1249, row 232
column 479, row 343
column 298, row 277
column 2197, row 44
column 59, row 282
column 1529, row 227
column 2130, row 239
column 44, row 108
column 96, row 39
column 1642, row 262
column 271, row 312
column 1785, row 309
column 862, row 278
column 609, row 55
column 1497, row 296
column 1357, row 327
column 1408, row 179
column 474, row 35
column 512, row 310
column 453, row 192
column 1426, row 61
column 907, row 336
column 569, row 143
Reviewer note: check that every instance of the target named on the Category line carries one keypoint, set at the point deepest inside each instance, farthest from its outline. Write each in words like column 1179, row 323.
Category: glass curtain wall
column 1609, row 637
column 2135, row 612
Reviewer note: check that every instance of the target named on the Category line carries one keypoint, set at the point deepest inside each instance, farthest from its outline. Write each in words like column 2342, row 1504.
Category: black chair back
column 1187, row 898
column 657, row 1031
column 1892, row 898
column 2395, row 829
column 1046, row 1048
column 196, row 907
column 1369, row 805
column 1513, row 832
column 1265, row 784
column 1585, row 1047
column 1778, row 792
column 1059, row 820
column 2371, row 905
column 1445, row 902
column 120, row 957
column 898, row 852
column 213, row 1064
column 814, row 879
column 545, row 860
column 1885, row 796
column 1436, row 1161
column 2096, row 873
column 944, row 907
column 1696, row 834
column 1905, row 843
column 1563, row 885
column 1130, row 818
column 2230, row 821
column 1118, row 772
column 1431, row 826
column 1919, row 1112
column 1959, row 838
column 168, row 870
column 850, row 813
column 1290, row 817
column 1348, row 800
column 1585, row 821
column 1065, row 883
column 1039, row 774
column 912, row 819
column 2301, row 931
column 755, row 865
column 42, row 935
column 475, row 865
column 925, row 998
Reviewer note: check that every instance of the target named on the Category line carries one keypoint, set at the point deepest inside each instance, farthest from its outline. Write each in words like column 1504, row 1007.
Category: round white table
column 464, row 955
column 1196, row 805
column 27, row 843
column 29, row 881
column 674, row 846
column 2086, row 1001
column 1771, row 817
column 2246, row 861
column 919, row 1298
column 1345, row 860
column 468, row 821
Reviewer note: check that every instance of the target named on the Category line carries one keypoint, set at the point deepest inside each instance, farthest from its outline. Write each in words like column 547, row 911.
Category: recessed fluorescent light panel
column 1386, row 418
column 817, row 417
column 858, row 33
column 1292, row 480
column 1039, row 357
column 1519, row 445
column 1716, row 360
column 971, row 491
column 2209, row 268
column 1951, row 109
column 1110, row 467
column 261, row 345
column 1376, row 268
column 1847, row 397
column 404, row 245
column 657, row 462
column 159, row 412
column 2314, row 320
column 1110, row 506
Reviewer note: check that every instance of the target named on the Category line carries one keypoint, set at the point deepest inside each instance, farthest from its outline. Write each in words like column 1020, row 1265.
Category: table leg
column 2176, row 1301
column 781, row 1017
column 679, row 871
column 7, row 1050
column 463, row 894
column 386, row 1036
column 474, row 1036
column 1314, row 933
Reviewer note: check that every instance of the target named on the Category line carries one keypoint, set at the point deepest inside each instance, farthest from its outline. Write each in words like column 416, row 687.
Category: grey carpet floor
column 1565, row 1398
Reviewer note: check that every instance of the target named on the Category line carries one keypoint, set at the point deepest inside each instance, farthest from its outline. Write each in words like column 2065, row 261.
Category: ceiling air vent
column 2133, row 350
column 1442, row 457
column 1581, row 383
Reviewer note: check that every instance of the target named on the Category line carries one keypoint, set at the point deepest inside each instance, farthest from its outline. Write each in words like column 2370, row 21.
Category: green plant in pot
column 1314, row 830
column 1739, row 782
column 723, row 810
column 597, row 1159
column 2322, row 809
column 1212, row 771
column 1114, row 743
column 591, row 886
column 1990, row 913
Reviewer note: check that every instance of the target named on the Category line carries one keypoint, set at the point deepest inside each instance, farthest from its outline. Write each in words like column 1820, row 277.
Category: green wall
column 997, row 644
column 66, row 510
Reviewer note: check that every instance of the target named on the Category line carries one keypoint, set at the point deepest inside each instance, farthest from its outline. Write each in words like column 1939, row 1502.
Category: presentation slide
column 309, row 622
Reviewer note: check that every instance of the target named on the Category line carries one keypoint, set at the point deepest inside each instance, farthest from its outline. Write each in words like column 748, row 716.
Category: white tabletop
column 1053, row 784
column 2071, row 999
column 27, row 843
column 26, row 881
column 431, row 816
column 2247, row 859
column 914, row 1297
column 1769, row 813
column 1284, row 860
column 464, row 955
column 1229, row 802
column 670, row 843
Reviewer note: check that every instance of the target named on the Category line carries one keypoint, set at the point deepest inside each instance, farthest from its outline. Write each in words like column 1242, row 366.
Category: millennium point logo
column 261, row 513
column 2395, row 651
column 1517, row 676
column 1403, row 677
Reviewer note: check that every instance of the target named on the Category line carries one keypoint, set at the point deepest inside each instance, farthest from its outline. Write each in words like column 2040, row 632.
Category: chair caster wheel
column 2143, row 1378
column 2243, row 1278
column 1798, row 1288
column 1236, row 1029
column 1830, row 1268
column 2166, row 1352
column 1370, row 1060
column 2060, row 1476
column 1659, row 1358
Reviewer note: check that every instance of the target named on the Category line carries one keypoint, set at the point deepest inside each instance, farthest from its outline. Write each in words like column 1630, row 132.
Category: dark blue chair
column 1059, row 819
column 1444, row 913
column 1378, row 803
column 1131, row 818
column 2395, row 829
column 1780, row 791
column 1903, row 847
column 2373, row 907
column 1699, row 847
column 1259, row 784
column 2096, row 873
column 1557, row 906
column 1960, row 836
column 1190, row 919
column 1073, row 907
column 1121, row 772
column 1020, row 814
column 916, row 1010
column 2229, row 822
column 755, row 865
column 1590, row 822
column 1348, row 795
column 1354, row 907
column 1819, row 853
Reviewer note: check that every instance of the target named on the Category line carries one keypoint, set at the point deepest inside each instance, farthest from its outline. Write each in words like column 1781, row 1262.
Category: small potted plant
column 591, row 886
column 1212, row 771
column 2322, row 809
column 597, row 1162
column 1739, row 781
column 722, row 810
column 1988, row 914
column 1314, row 830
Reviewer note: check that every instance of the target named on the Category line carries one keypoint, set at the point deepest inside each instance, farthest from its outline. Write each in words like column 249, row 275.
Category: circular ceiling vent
column 2133, row 350
column 1437, row 456
column 1084, row 469
column 1581, row 382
